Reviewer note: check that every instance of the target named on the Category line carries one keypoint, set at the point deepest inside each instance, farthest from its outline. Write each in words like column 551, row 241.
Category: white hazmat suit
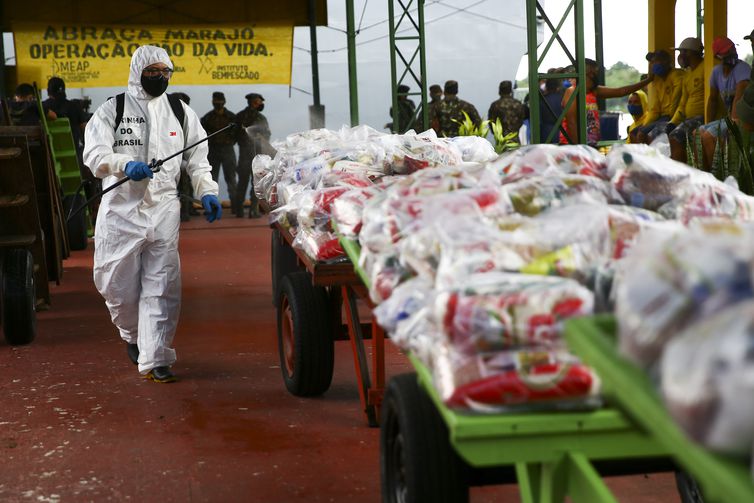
column 136, row 263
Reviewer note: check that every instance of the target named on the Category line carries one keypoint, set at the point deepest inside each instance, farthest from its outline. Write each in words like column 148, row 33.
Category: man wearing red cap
column 728, row 80
column 727, row 84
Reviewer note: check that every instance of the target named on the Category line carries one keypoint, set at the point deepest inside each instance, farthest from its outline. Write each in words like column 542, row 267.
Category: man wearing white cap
column 689, row 114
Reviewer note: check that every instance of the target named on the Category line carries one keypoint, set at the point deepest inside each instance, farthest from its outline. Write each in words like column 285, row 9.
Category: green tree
column 619, row 75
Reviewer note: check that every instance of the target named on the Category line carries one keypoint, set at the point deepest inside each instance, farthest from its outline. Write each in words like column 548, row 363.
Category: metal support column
column 408, row 63
column 352, row 80
column 534, row 10
column 316, row 110
column 699, row 20
column 599, row 52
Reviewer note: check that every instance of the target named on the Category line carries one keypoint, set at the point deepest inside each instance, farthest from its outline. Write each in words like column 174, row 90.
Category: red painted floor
column 78, row 424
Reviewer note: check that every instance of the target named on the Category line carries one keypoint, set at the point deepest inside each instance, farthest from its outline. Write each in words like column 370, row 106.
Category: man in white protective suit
column 136, row 263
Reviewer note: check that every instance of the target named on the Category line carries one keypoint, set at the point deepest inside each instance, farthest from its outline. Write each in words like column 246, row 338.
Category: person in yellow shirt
column 664, row 95
column 638, row 108
column 690, row 112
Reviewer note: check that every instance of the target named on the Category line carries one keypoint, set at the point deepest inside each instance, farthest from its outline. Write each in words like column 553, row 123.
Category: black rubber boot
column 133, row 353
column 161, row 374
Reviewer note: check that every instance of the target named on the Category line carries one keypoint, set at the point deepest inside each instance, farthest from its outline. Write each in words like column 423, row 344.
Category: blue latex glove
column 137, row 170
column 212, row 208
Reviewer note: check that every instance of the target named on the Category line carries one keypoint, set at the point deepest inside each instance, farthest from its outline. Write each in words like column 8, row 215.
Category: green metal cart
column 429, row 452
column 67, row 168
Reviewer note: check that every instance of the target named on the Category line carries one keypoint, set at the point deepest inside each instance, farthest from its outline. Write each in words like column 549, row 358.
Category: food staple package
column 707, row 377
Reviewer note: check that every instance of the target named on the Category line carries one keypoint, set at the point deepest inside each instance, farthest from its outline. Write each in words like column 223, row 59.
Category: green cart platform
column 431, row 453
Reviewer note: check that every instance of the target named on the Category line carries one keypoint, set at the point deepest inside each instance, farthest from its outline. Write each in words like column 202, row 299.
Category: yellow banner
column 99, row 56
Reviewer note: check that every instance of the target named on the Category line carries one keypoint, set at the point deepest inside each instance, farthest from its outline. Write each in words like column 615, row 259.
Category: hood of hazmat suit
column 136, row 264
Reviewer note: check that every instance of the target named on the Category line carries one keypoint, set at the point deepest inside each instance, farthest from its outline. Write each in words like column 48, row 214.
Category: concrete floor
column 77, row 423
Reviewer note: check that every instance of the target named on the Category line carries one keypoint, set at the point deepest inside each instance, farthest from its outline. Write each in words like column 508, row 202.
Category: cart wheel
column 688, row 488
column 305, row 340
column 417, row 462
column 283, row 262
column 77, row 231
column 19, row 297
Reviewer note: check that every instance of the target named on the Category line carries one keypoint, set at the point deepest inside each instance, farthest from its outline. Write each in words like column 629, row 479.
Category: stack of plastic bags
column 475, row 262
column 686, row 313
column 475, row 269
column 312, row 170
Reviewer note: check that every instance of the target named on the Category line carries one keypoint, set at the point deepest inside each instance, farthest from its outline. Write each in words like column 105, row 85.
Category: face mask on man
column 260, row 107
column 218, row 105
column 635, row 110
column 566, row 83
column 731, row 59
column 660, row 69
column 154, row 86
column 683, row 61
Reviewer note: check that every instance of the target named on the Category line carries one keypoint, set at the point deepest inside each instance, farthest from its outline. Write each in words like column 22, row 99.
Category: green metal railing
column 405, row 50
column 533, row 10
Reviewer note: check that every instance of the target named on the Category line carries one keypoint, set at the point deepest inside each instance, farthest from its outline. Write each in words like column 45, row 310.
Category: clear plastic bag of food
column 536, row 194
column 319, row 245
column 315, row 207
column 348, row 209
column 647, row 179
column 526, row 379
column 570, row 241
column 474, row 148
column 674, row 276
column 709, row 199
column 626, row 223
column 345, row 179
column 406, row 154
column 537, row 160
column 496, row 311
column 385, row 273
column 707, row 379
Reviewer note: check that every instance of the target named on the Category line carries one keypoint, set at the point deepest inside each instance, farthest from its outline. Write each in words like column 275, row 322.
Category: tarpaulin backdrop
column 99, row 55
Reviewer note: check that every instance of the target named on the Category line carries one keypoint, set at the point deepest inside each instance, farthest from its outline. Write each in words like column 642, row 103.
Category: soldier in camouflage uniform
column 221, row 152
column 249, row 117
column 443, row 116
column 508, row 109
column 406, row 109
column 435, row 94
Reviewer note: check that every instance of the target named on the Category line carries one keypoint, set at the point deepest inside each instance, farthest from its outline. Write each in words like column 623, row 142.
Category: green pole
column 699, row 20
column 393, row 69
column 581, row 102
column 316, row 111
column 423, row 62
column 352, row 81
column 599, row 48
column 531, row 48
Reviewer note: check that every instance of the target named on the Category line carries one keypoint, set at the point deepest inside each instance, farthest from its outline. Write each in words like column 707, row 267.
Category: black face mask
column 261, row 107
column 218, row 106
column 154, row 86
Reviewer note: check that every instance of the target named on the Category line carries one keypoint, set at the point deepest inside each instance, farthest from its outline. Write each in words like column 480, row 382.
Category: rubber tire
column 688, row 489
column 284, row 262
column 19, row 297
column 313, row 345
column 417, row 462
column 77, row 231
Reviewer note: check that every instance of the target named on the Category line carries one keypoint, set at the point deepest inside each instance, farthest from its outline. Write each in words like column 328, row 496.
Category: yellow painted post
column 715, row 25
column 661, row 30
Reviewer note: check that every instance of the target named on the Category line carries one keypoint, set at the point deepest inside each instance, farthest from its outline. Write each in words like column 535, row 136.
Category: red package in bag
column 540, row 383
